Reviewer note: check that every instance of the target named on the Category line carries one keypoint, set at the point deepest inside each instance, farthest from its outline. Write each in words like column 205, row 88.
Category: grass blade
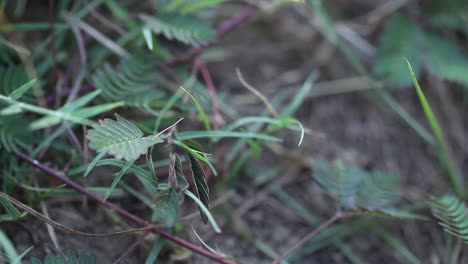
column 443, row 153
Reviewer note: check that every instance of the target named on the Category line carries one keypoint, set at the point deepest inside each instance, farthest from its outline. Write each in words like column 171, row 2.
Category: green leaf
column 7, row 246
column 378, row 190
column 452, row 215
column 117, row 179
column 205, row 210
column 10, row 209
column 148, row 37
column 93, row 163
column 182, row 183
column 187, row 29
column 12, row 77
column 400, row 38
column 16, row 94
column 340, row 181
column 446, row 59
column 200, row 187
column 193, row 6
column 447, row 14
column 120, row 138
column 224, row 134
column 202, row 113
column 133, row 83
column 166, row 207
column 50, row 259
column 153, row 255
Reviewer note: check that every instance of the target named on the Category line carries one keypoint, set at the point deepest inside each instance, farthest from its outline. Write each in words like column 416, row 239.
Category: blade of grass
column 153, row 255
column 205, row 210
column 443, row 150
column 330, row 32
column 202, row 113
column 399, row 247
column 117, row 179
column 215, row 134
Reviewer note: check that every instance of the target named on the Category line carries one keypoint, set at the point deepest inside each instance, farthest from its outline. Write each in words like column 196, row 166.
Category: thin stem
column 337, row 216
column 63, row 178
column 200, row 65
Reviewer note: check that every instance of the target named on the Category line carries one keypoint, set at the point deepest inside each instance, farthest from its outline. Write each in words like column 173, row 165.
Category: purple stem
column 63, row 178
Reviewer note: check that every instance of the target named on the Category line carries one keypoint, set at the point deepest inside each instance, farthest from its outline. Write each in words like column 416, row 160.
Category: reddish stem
column 200, row 65
column 63, row 178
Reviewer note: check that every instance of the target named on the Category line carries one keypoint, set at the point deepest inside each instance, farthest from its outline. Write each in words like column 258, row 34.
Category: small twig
column 133, row 247
column 267, row 103
column 337, row 216
column 200, row 65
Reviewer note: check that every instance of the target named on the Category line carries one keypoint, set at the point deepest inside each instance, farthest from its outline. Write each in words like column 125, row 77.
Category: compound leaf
column 120, row 138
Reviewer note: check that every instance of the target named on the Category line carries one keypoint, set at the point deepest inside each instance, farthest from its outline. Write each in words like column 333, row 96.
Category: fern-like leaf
column 133, row 83
column 120, row 138
column 341, row 182
column 378, row 190
column 400, row 38
column 452, row 215
column 186, row 29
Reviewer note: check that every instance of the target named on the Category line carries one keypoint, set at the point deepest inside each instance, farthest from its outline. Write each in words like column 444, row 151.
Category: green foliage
column 362, row 193
column 441, row 145
column 12, row 134
column 70, row 257
column 200, row 187
column 187, row 29
column 341, row 182
column 120, row 138
column 12, row 77
column 446, row 59
column 401, row 38
column 184, row 6
column 448, row 14
column 166, row 206
column 452, row 215
column 133, row 83
column 405, row 38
